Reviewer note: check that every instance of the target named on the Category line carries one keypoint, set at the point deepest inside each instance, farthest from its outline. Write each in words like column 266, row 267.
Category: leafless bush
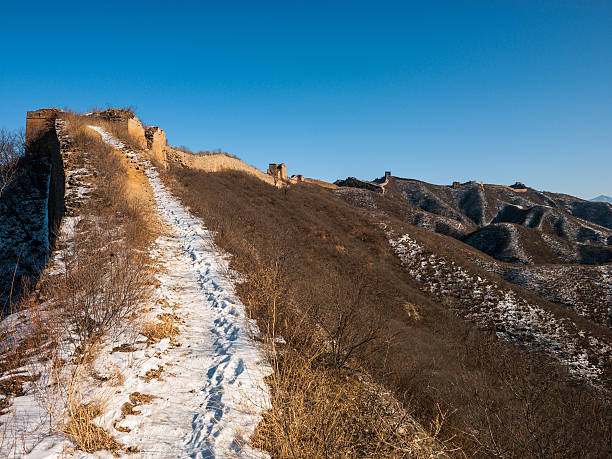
column 103, row 284
column 105, row 276
column 346, row 319
column 12, row 148
column 320, row 412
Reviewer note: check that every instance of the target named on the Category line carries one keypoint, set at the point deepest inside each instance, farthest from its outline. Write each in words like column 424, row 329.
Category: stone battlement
column 128, row 120
column 278, row 171
column 156, row 142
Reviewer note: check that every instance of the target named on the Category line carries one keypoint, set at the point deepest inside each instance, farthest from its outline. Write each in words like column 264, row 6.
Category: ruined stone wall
column 278, row 171
column 506, row 187
column 321, row 183
column 43, row 157
column 137, row 131
column 216, row 163
column 156, row 143
column 128, row 121
column 356, row 183
column 31, row 209
column 51, row 184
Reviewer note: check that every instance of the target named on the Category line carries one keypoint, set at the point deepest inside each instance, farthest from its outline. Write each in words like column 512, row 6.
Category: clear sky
column 439, row 91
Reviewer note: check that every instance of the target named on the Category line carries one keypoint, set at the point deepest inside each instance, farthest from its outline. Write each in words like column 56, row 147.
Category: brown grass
column 136, row 399
column 163, row 328
column 107, row 274
column 154, row 374
column 106, row 278
column 324, row 302
column 87, row 436
column 321, row 413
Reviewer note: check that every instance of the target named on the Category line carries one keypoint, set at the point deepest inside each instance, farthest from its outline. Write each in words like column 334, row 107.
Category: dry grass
column 317, row 412
column 81, row 134
column 136, row 399
column 106, row 270
column 154, row 374
column 323, row 301
column 87, row 436
column 105, row 279
column 164, row 328
column 320, row 406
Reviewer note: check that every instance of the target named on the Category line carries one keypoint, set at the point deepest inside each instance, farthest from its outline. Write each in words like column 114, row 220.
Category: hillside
column 517, row 225
column 176, row 304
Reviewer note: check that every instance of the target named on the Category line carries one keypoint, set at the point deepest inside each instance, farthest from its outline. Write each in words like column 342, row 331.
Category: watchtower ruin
column 129, row 121
column 156, row 142
column 278, row 171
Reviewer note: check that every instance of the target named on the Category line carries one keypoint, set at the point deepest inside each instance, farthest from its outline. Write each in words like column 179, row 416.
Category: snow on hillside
column 589, row 293
column 513, row 318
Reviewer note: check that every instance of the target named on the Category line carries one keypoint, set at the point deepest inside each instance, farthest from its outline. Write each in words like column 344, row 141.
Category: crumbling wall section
column 31, row 209
column 48, row 186
column 278, row 171
column 156, row 143
column 357, row 183
column 43, row 162
column 137, row 131
column 128, row 121
column 216, row 162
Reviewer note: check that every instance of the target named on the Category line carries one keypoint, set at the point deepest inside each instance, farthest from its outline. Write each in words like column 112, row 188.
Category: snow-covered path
column 210, row 392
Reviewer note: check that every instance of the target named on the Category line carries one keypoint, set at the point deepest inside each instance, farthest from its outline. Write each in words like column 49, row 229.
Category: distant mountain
column 602, row 198
column 515, row 224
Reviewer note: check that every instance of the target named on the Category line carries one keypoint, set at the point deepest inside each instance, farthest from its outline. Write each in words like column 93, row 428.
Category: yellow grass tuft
column 87, row 436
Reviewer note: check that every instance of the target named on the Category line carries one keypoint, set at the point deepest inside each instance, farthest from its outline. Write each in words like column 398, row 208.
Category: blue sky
column 439, row 91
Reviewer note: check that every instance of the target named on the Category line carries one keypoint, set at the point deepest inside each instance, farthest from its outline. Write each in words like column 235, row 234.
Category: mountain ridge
column 511, row 223
column 602, row 198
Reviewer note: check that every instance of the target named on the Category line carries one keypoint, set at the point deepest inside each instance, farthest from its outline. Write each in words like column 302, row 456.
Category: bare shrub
column 103, row 283
column 12, row 148
column 345, row 318
column 71, row 412
column 105, row 275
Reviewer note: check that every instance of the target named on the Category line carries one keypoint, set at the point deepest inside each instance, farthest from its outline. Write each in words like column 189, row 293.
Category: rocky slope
column 536, row 240
column 513, row 224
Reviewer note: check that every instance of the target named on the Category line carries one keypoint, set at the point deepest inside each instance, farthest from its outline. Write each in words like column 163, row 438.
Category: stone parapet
column 156, row 142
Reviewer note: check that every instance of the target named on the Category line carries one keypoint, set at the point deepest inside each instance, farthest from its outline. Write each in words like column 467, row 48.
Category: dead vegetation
column 106, row 274
column 163, row 328
column 87, row 436
column 355, row 311
column 317, row 412
column 12, row 148
column 320, row 407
